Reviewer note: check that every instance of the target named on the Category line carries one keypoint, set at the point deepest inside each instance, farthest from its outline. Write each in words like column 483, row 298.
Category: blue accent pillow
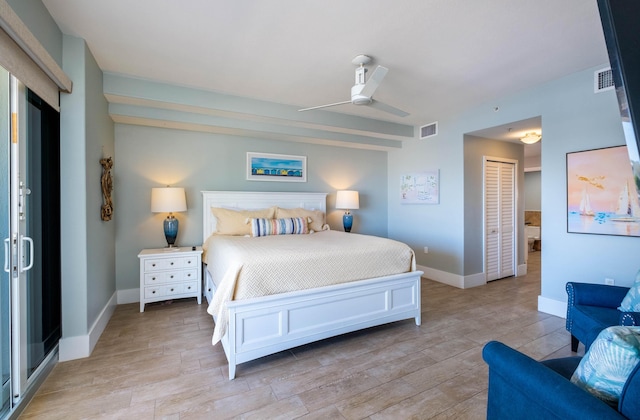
column 606, row 366
column 631, row 302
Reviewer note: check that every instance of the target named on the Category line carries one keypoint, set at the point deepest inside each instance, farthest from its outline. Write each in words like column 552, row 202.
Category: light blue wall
column 36, row 16
column 437, row 226
column 574, row 118
column 149, row 157
column 73, row 193
column 100, row 142
column 88, row 253
column 532, row 191
column 577, row 119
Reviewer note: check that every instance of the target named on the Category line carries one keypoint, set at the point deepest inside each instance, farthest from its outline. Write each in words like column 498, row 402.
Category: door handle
column 6, row 255
column 28, row 239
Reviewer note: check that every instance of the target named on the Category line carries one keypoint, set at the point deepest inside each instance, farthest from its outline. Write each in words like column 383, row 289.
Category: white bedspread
column 246, row 267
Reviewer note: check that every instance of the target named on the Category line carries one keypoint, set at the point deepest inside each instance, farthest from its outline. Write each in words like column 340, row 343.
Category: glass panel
column 42, row 209
column 5, row 309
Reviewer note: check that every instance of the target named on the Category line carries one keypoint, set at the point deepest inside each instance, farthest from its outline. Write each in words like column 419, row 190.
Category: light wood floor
column 160, row 364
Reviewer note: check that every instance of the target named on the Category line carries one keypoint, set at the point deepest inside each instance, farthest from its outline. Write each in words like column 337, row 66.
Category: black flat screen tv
column 621, row 26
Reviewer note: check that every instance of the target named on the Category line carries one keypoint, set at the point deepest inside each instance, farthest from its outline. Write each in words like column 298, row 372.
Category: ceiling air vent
column 429, row 130
column 603, row 80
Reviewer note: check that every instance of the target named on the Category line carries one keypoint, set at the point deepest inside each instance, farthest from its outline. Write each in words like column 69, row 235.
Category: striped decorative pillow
column 288, row 226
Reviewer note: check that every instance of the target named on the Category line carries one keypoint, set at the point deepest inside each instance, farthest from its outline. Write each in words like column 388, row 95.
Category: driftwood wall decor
column 106, row 212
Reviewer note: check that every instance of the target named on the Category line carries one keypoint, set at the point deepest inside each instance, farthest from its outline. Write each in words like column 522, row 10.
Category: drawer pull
column 188, row 287
column 153, row 265
column 153, row 292
column 153, row 278
column 189, row 275
column 172, row 290
column 189, row 262
column 171, row 262
column 209, row 289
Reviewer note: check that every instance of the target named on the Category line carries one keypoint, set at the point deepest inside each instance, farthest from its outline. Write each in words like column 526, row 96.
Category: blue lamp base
column 171, row 230
column 347, row 221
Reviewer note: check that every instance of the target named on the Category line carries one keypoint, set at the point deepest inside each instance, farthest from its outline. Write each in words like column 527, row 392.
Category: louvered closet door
column 499, row 219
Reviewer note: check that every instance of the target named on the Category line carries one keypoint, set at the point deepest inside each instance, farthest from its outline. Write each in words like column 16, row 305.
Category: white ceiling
column 443, row 55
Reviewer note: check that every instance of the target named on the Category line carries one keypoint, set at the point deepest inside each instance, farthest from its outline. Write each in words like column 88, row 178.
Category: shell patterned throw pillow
column 631, row 302
column 605, row 367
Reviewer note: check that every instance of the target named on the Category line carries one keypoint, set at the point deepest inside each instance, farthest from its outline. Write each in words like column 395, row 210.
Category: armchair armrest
column 520, row 387
column 595, row 294
column 630, row 318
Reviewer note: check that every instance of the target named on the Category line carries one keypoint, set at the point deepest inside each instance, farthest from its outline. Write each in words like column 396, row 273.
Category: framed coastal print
column 420, row 188
column 272, row 167
column 602, row 193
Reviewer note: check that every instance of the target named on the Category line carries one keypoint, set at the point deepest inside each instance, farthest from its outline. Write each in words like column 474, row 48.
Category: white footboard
column 267, row 325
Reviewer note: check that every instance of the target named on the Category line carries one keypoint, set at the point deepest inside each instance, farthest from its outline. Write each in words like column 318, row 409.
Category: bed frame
column 267, row 325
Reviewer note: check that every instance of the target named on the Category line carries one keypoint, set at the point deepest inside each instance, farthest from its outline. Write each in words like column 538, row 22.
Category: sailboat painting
column 602, row 193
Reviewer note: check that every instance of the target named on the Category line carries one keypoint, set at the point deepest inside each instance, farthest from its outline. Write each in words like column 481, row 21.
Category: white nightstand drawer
column 179, row 289
column 190, row 262
column 170, row 276
column 163, row 264
column 153, row 292
column 189, row 287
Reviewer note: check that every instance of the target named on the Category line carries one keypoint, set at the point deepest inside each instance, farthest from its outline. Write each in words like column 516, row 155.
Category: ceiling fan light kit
column 362, row 91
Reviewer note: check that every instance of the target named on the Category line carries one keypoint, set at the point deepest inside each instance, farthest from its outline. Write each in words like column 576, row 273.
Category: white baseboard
column 455, row 280
column 128, row 296
column 552, row 306
column 522, row 270
column 80, row 346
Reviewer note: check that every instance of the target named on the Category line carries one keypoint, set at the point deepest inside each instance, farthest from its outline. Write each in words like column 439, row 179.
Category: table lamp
column 169, row 200
column 347, row 200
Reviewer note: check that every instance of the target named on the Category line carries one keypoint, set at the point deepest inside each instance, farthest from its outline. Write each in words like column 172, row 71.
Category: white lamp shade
column 347, row 200
column 168, row 200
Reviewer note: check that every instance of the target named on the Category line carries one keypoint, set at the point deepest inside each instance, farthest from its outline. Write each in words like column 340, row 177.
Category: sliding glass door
column 5, row 278
column 30, row 228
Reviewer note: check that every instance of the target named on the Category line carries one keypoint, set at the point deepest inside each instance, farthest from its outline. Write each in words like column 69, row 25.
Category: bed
column 253, row 326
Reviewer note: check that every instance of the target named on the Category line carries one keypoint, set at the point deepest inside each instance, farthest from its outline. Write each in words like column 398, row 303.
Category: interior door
column 500, row 195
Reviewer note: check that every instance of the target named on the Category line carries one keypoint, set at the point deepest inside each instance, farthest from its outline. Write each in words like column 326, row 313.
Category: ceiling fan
column 362, row 92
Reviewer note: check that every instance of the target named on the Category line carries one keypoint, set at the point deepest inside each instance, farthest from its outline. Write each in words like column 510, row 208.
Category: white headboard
column 246, row 200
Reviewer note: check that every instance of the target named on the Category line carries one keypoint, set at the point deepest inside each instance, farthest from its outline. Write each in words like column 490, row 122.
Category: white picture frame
column 276, row 167
column 420, row 187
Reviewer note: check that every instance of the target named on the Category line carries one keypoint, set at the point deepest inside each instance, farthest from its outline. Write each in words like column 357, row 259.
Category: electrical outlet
column 609, row 282
column 426, row 249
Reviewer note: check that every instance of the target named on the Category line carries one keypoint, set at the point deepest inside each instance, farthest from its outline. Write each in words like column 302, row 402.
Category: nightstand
column 168, row 275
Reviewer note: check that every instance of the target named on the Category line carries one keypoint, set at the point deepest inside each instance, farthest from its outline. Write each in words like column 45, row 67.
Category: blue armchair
column 593, row 307
column 520, row 387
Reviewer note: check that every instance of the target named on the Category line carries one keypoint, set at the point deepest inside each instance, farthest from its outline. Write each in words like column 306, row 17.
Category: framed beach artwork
column 420, row 188
column 272, row 167
column 602, row 193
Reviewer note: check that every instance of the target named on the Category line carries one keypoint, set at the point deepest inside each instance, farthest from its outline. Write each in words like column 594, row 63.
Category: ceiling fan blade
column 324, row 106
column 374, row 81
column 388, row 108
